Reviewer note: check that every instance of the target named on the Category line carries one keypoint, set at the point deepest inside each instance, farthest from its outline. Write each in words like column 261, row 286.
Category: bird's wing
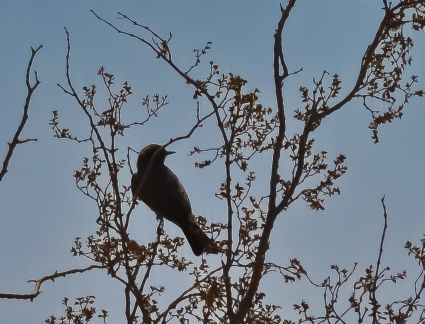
column 173, row 185
column 135, row 180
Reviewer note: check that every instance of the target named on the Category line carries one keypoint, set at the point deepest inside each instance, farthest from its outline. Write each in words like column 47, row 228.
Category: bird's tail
column 198, row 240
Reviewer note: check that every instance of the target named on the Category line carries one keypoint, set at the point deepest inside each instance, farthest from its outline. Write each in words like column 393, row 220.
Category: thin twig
column 374, row 302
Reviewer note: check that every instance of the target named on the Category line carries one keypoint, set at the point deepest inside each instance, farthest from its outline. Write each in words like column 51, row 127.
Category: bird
column 160, row 189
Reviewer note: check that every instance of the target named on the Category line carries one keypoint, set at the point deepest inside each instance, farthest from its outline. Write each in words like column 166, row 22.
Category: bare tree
column 229, row 292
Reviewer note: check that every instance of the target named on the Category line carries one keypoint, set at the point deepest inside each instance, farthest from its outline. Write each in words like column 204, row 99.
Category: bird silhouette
column 160, row 189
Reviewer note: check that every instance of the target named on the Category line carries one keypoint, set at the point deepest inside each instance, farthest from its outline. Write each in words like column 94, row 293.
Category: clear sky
column 41, row 211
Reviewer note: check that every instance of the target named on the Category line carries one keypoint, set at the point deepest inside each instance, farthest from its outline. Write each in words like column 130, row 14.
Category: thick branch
column 274, row 210
column 30, row 90
column 278, row 63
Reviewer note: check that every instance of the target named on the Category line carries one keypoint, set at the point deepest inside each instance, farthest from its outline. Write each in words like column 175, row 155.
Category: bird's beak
column 169, row 152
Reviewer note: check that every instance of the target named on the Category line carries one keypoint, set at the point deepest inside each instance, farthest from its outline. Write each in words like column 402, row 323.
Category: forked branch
column 31, row 87
column 39, row 282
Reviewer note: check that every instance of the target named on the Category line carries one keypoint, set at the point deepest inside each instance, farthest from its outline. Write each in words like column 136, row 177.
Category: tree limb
column 279, row 62
column 30, row 90
column 39, row 283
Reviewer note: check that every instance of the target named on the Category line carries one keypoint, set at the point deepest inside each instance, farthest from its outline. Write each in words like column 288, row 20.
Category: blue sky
column 42, row 211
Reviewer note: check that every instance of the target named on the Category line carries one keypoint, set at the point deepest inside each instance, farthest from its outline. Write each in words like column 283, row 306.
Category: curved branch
column 367, row 57
column 39, row 283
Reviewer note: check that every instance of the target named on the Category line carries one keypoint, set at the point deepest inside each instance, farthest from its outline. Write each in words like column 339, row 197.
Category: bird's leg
column 160, row 219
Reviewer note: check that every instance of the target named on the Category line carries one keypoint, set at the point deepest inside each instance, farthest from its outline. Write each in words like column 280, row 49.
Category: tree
column 229, row 290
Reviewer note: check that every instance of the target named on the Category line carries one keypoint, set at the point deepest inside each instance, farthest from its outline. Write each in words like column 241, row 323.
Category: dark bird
column 159, row 188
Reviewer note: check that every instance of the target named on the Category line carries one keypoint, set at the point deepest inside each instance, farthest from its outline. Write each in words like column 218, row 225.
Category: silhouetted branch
column 278, row 63
column 41, row 281
column 373, row 297
column 370, row 72
column 148, row 266
column 383, row 28
column 162, row 51
column 169, row 61
column 184, row 295
column 30, row 90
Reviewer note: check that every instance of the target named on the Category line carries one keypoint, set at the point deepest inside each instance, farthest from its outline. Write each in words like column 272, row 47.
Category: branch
column 364, row 66
column 197, row 125
column 103, row 147
column 279, row 62
column 111, row 165
column 311, row 123
column 39, row 283
column 170, row 62
column 30, row 90
column 374, row 301
column 163, row 52
column 184, row 295
column 139, row 291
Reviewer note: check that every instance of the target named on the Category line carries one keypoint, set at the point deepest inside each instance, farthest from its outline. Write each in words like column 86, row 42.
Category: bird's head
column 152, row 151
